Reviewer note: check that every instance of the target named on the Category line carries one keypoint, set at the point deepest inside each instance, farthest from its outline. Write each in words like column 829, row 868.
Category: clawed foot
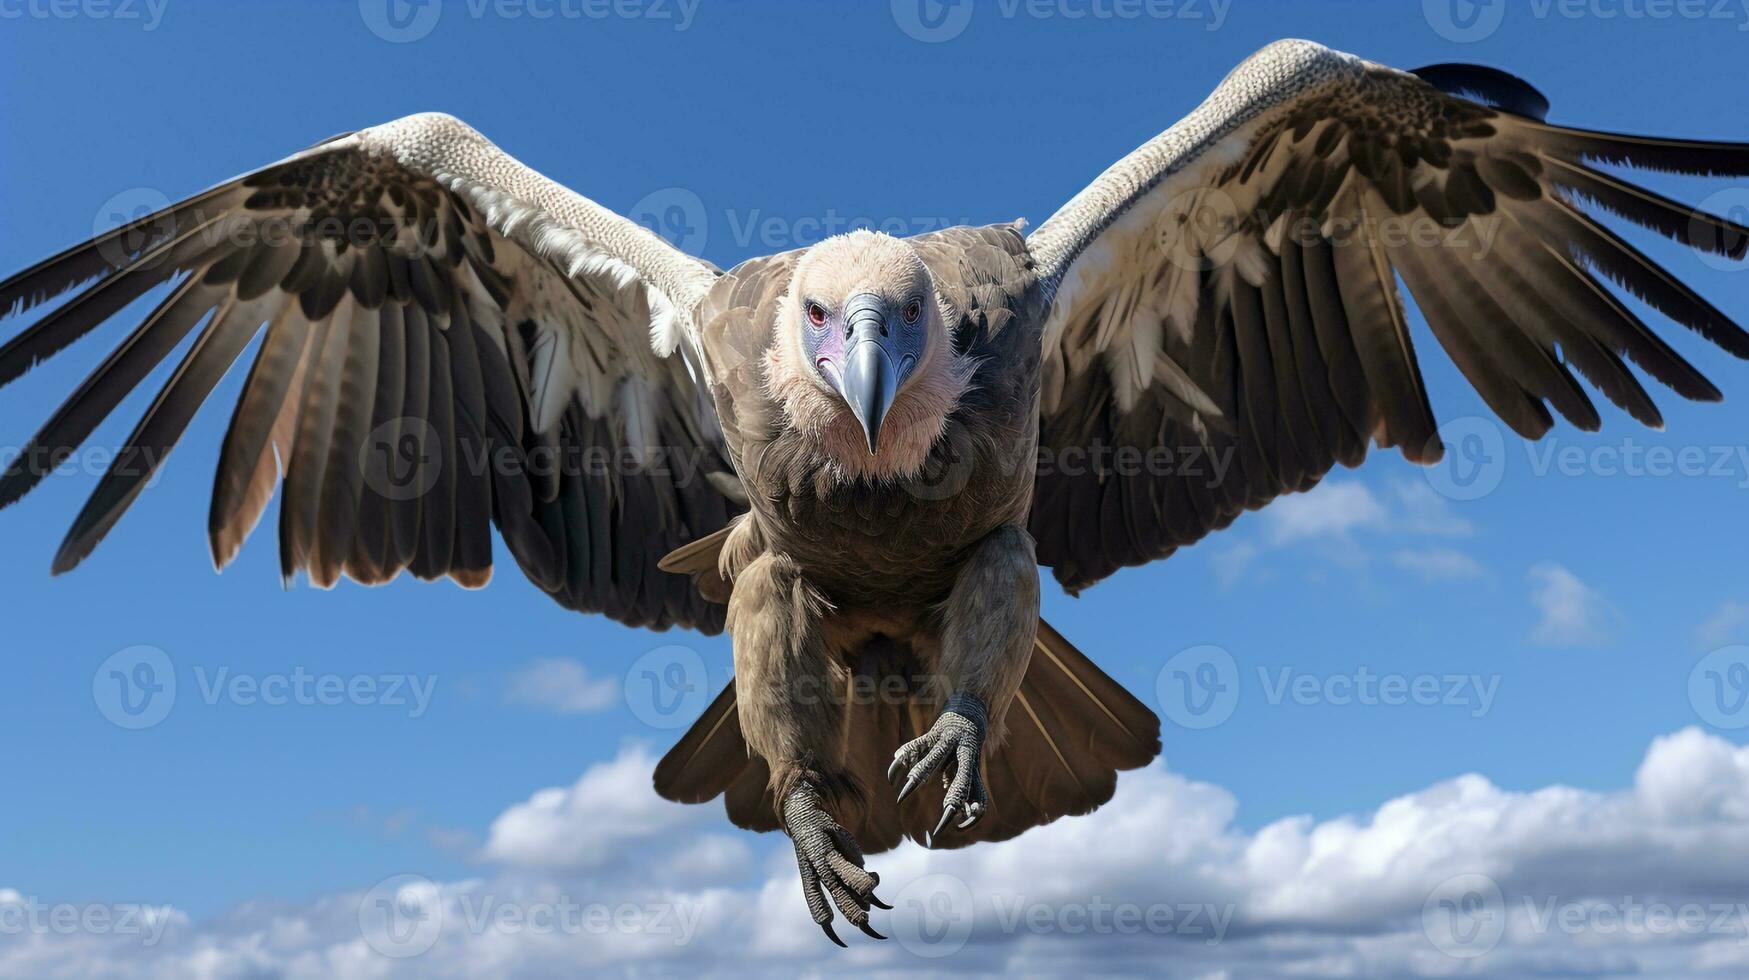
column 831, row 864
column 956, row 737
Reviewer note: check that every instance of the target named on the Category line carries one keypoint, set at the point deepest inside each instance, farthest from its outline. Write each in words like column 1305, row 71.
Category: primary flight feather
column 856, row 455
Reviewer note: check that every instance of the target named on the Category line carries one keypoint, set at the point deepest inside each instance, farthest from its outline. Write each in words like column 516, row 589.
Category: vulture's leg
column 988, row 625
column 783, row 673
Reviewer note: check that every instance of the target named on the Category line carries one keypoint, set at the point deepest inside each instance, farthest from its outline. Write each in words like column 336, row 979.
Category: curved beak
column 870, row 378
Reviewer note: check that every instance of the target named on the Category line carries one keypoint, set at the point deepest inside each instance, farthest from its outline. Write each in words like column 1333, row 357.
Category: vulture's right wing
column 1227, row 326
column 451, row 340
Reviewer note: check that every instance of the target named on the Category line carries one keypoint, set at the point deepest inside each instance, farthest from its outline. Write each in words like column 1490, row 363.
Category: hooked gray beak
column 870, row 379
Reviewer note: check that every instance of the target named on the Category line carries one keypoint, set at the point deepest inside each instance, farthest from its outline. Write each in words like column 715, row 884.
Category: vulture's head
column 866, row 351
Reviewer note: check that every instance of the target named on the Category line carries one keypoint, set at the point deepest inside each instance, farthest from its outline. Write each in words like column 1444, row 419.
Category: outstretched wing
column 1227, row 325
column 451, row 340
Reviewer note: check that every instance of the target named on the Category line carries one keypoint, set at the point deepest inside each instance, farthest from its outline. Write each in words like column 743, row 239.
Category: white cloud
column 1232, row 563
column 1338, row 520
column 563, row 686
column 1692, row 778
column 1728, row 624
column 1420, row 509
column 1438, row 564
column 590, row 823
column 1643, row 881
column 1570, row 613
column 1332, row 509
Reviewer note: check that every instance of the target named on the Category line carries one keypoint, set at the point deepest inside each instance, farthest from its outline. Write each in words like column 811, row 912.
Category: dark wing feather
column 1268, row 231
column 401, row 297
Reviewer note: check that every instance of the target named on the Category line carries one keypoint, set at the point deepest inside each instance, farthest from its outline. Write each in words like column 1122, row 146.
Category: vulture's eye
column 816, row 314
column 913, row 310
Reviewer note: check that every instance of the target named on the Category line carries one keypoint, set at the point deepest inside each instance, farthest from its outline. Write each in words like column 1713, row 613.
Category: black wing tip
column 20, row 478
column 72, row 554
column 1491, row 86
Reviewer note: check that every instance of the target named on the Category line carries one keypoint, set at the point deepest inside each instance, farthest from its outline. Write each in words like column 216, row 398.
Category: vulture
column 855, row 456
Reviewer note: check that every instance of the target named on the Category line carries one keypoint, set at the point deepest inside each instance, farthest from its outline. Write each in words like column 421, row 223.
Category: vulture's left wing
column 452, row 340
column 1227, row 326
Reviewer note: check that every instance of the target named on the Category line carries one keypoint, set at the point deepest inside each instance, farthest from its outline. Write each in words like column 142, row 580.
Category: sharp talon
column 946, row 815
column 910, row 787
column 875, row 900
column 893, row 772
column 876, row 878
column 827, row 925
column 928, row 839
column 868, row 930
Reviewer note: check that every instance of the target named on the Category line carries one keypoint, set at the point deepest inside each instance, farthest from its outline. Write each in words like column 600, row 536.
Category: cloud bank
column 1463, row 878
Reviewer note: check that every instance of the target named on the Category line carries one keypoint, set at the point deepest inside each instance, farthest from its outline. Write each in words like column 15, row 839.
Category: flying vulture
column 855, row 456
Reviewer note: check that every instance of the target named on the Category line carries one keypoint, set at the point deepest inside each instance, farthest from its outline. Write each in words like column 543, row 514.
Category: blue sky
column 1577, row 597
